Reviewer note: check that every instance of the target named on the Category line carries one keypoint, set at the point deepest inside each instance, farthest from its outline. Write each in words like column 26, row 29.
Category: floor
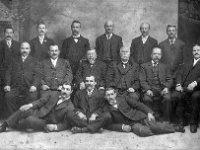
column 108, row 140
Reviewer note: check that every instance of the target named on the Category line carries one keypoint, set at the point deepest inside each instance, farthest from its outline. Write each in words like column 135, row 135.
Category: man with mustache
column 74, row 48
column 91, row 66
column 174, row 50
column 130, row 115
column 123, row 75
column 44, row 114
column 156, row 81
column 141, row 47
column 88, row 115
column 55, row 71
column 187, row 92
column 40, row 44
column 22, row 79
column 108, row 44
column 8, row 48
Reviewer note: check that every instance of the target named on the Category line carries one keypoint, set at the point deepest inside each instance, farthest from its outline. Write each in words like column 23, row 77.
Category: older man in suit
column 123, row 75
column 44, row 114
column 88, row 115
column 187, row 91
column 108, row 44
column 156, row 81
column 40, row 44
column 22, row 79
column 174, row 50
column 141, row 47
column 130, row 115
column 55, row 71
column 74, row 48
column 94, row 67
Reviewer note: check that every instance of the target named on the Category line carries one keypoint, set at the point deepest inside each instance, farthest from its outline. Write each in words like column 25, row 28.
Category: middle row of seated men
column 25, row 77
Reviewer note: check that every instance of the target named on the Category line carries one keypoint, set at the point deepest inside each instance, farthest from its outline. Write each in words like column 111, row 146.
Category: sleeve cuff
column 195, row 82
column 56, row 128
column 123, row 127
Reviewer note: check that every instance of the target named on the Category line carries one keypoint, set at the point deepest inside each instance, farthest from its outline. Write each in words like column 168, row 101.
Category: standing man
column 91, row 66
column 123, row 75
column 40, row 44
column 141, row 47
column 22, row 79
column 55, row 71
column 74, row 48
column 88, row 115
column 188, row 90
column 108, row 44
column 8, row 48
column 174, row 52
column 156, row 81
column 130, row 115
column 44, row 114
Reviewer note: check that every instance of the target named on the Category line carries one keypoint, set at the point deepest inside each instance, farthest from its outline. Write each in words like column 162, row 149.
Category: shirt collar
column 196, row 60
column 24, row 57
column 90, row 91
column 41, row 37
column 78, row 36
column 172, row 40
column 146, row 37
column 54, row 60
column 109, row 35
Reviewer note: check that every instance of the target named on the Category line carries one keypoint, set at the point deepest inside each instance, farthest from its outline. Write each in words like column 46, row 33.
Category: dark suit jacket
column 27, row 72
column 115, row 73
column 146, row 76
column 140, row 52
column 188, row 74
column 129, row 108
column 48, row 109
column 173, row 55
column 74, row 52
column 86, row 105
column 98, row 70
column 53, row 77
column 6, row 55
column 116, row 44
column 38, row 50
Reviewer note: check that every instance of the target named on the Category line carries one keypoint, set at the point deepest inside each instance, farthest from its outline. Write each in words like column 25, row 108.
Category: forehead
column 110, row 92
column 9, row 30
column 124, row 50
column 156, row 50
column 90, row 78
column 91, row 51
column 55, row 47
column 41, row 26
column 65, row 86
column 171, row 28
column 76, row 24
column 144, row 25
column 109, row 23
column 196, row 47
column 25, row 45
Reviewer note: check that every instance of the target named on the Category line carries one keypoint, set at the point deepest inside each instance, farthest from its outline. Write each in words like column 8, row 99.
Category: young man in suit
column 123, row 75
column 22, row 79
column 40, row 44
column 130, row 115
column 187, row 91
column 108, row 44
column 88, row 115
column 174, row 50
column 74, row 48
column 141, row 47
column 55, row 71
column 156, row 81
column 44, row 114
column 91, row 66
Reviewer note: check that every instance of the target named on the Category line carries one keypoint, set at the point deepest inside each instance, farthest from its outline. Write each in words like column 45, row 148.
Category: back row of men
column 149, row 78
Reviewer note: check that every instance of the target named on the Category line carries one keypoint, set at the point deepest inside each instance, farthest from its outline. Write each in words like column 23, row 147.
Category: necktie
column 9, row 44
column 171, row 42
column 124, row 65
column 155, row 64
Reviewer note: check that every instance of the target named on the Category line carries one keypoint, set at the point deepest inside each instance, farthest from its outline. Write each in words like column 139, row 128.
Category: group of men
column 111, row 87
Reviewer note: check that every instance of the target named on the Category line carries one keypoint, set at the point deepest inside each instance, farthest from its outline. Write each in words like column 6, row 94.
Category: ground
column 108, row 140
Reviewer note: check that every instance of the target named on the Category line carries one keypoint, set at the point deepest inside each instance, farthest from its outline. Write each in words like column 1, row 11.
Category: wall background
column 127, row 16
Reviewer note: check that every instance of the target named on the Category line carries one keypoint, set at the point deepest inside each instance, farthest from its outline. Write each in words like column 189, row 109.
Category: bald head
column 25, row 49
column 144, row 28
column 109, row 26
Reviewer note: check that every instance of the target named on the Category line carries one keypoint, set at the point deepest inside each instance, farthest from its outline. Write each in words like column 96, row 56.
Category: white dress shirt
column 195, row 61
column 54, row 61
column 172, row 41
column 108, row 36
column 144, row 39
column 9, row 42
column 76, row 38
column 24, row 58
column 41, row 39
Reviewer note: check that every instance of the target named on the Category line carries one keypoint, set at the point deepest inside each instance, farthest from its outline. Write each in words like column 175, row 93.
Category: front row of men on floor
column 109, row 97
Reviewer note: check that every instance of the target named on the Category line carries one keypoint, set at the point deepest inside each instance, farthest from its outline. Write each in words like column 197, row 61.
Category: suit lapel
column 50, row 63
column 58, row 63
column 120, row 66
column 189, row 67
column 62, row 105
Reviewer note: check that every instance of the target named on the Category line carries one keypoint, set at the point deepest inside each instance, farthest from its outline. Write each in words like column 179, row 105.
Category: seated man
column 22, row 79
column 123, row 75
column 55, row 71
column 130, row 115
column 156, row 81
column 88, row 103
column 187, row 91
column 94, row 67
column 44, row 114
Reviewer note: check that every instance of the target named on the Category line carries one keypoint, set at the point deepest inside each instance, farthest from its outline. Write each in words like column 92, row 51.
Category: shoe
column 193, row 128
column 3, row 127
column 179, row 128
